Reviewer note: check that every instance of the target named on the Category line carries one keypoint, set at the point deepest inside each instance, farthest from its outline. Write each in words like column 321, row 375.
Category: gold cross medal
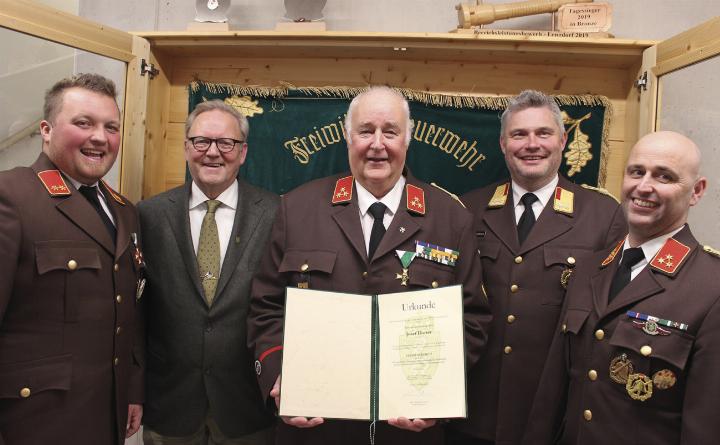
column 405, row 259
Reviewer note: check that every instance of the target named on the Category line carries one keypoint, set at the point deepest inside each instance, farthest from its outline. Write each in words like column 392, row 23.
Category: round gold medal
column 639, row 387
column 664, row 379
column 620, row 368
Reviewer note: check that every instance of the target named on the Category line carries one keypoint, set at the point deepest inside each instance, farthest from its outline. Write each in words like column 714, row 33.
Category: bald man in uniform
column 637, row 355
column 529, row 252
column 323, row 238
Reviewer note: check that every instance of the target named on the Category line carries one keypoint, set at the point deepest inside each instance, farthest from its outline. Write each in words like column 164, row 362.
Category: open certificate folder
column 374, row 357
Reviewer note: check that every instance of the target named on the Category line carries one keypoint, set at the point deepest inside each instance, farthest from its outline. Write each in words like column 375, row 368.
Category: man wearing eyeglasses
column 205, row 240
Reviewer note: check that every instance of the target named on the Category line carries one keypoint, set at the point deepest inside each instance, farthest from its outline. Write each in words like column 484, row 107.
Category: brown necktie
column 208, row 256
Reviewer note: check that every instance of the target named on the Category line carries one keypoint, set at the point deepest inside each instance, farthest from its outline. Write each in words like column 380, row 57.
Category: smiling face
column 214, row 171
column 83, row 138
column 532, row 144
column 660, row 184
column 378, row 140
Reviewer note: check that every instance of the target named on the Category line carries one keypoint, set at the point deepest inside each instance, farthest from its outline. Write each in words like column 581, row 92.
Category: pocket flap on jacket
column 563, row 255
column 574, row 320
column 23, row 379
column 59, row 254
column 673, row 348
column 488, row 249
column 308, row 261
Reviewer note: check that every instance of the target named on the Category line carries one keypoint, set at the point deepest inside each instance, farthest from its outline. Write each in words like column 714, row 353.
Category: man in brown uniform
column 70, row 281
column 637, row 355
column 325, row 237
column 528, row 252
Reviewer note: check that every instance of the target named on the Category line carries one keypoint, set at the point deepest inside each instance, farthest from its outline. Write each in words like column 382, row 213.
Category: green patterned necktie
column 208, row 256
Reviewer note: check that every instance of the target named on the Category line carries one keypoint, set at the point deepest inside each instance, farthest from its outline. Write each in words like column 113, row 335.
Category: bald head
column 661, row 182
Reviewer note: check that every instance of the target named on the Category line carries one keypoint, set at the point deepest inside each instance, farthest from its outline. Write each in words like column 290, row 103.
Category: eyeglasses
column 202, row 144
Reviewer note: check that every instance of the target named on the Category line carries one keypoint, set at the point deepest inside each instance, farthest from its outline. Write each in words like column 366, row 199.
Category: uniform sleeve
column 701, row 409
column 477, row 316
column 267, row 308
column 10, row 238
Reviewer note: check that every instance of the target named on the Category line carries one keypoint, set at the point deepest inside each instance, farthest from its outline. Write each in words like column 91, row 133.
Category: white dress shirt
column 224, row 215
column 543, row 194
column 366, row 199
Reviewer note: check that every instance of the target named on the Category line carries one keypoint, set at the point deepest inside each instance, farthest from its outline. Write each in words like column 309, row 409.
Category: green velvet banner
column 297, row 134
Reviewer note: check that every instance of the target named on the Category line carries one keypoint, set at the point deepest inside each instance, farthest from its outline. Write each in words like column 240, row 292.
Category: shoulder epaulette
column 499, row 198
column 670, row 257
column 452, row 195
column 115, row 195
column 415, row 199
column 711, row 250
column 54, row 183
column 564, row 201
column 343, row 190
column 601, row 191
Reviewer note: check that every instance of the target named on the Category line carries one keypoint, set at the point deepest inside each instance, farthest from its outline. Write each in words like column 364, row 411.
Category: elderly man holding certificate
column 344, row 240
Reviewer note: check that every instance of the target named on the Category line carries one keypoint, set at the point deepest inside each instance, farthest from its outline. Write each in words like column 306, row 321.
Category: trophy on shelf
column 303, row 15
column 210, row 15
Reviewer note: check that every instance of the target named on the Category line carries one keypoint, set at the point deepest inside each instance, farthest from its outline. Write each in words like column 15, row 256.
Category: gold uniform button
column 571, row 260
column 25, row 393
column 116, row 267
column 118, row 298
column 592, row 375
column 72, row 264
column 646, row 350
column 508, row 349
column 518, row 259
column 563, row 328
column 435, row 284
column 510, row 318
column 118, row 330
column 599, row 334
column 364, row 274
column 304, row 267
column 514, row 288
column 116, row 361
column 587, row 414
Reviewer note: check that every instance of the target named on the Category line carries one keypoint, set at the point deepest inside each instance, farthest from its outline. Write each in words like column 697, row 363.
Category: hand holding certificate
column 393, row 356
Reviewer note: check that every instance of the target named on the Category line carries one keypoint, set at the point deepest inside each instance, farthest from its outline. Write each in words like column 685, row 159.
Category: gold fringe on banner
column 437, row 99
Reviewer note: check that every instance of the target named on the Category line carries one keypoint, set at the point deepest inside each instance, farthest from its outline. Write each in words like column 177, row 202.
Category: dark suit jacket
column 501, row 386
column 62, row 327
column 328, row 238
column 197, row 357
column 686, row 413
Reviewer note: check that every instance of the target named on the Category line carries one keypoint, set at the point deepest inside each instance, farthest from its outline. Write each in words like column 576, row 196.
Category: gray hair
column 531, row 99
column 217, row 104
column 374, row 89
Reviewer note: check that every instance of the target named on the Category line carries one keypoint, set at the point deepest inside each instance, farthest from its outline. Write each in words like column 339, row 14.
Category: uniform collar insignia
column 415, row 199
column 113, row 193
column 613, row 253
column 54, row 183
column 670, row 257
column 564, row 201
column 343, row 190
column 499, row 198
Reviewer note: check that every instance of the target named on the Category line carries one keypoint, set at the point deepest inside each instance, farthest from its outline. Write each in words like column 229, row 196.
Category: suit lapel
column 123, row 221
column 347, row 218
column 549, row 225
column 501, row 221
column 77, row 209
column 247, row 218
column 394, row 236
column 641, row 287
column 178, row 220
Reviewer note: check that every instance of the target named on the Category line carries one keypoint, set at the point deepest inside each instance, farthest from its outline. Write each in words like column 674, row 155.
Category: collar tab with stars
column 343, row 190
column 54, row 183
column 670, row 257
column 415, row 197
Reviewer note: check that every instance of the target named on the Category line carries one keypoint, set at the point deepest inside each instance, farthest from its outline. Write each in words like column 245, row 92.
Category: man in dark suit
column 637, row 355
column 204, row 242
column 341, row 233
column 70, row 281
column 532, row 232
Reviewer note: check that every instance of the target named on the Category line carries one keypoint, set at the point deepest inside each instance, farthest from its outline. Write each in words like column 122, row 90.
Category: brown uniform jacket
column 328, row 238
column 592, row 334
column 70, row 361
column 526, row 295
